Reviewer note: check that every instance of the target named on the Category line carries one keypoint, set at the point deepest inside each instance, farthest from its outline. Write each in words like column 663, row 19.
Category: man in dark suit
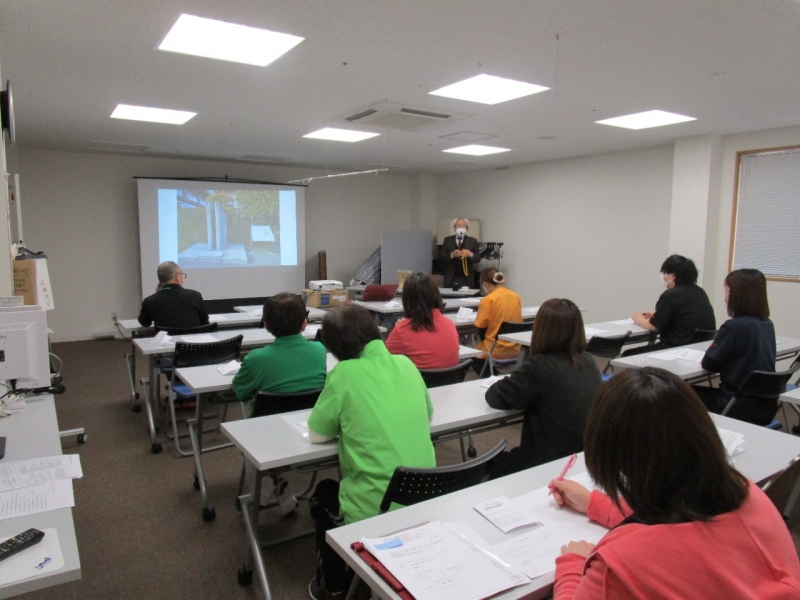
column 172, row 305
column 458, row 256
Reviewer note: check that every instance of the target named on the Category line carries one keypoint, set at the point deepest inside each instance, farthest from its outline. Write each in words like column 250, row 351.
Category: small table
column 605, row 329
column 767, row 452
column 33, row 433
column 314, row 314
column 274, row 443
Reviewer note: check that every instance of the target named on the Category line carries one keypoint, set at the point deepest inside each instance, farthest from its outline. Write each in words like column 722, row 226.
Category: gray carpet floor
column 137, row 515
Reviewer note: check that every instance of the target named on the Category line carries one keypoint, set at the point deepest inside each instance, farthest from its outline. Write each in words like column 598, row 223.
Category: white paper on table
column 672, row 354
column 393, row 304
column 731, row 440
column 585, row 480
column 530, row 310
column 255, row 313
column 230, row 368
column 433, row 563
column 198, row 338
column 506, row 515
column 10, row 405
column 623, row 322
column 298, row 421
column 217, row 318
column 691, row 355
column 312, row 328
column 162, row 339
column 490, row 381
column 35, row 471
column 44, row 497
column 535, row 552
column 473, row 301
column 465, row 314
column 45, row 557
column 590, row 331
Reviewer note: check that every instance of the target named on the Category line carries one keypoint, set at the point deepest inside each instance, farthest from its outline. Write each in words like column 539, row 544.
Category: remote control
column 19, row 542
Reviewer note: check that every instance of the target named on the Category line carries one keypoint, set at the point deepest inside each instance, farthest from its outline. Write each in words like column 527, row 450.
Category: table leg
column 149, row 403
column 196, row 439
column 250, row 511
column 130, row 361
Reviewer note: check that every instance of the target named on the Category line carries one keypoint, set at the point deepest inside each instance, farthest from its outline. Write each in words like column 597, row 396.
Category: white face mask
column 666, row 282
column 461, row 231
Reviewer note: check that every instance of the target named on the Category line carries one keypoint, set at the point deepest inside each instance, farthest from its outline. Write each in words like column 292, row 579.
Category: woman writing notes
column 555, row 385
column 684, row 522
column 499, row 305
column 681, row 310
column 744, row 343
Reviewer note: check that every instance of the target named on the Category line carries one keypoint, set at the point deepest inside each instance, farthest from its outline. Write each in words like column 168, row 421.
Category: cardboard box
column 32, row 282
column 320, row 299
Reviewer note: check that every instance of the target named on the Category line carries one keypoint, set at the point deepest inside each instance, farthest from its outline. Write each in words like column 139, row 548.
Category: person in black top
column 172, row 305
column 744, row 343
column 681, row 310
column 555, row 385
column 458, row 256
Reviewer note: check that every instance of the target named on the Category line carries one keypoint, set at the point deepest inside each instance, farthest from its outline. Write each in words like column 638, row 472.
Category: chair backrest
column 438, row 377
column 607, row 347
column 188, row 354
column 209, row 328
column 269, row 403
column 702, row 335
column 410, row 486
column 508, row 327
column 761, row 389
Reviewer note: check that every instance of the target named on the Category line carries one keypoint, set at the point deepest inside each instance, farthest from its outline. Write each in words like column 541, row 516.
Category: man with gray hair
column 458, row 256
column 172, row 305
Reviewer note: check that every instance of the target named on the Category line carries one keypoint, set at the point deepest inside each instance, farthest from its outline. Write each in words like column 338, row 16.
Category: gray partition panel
column 405, row 250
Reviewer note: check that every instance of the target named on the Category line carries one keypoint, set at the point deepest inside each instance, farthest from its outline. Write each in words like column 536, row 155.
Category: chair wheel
column 82, row 438
column 209, row 514
column 472, row 452
column 196, row 483
column 244, row 576
column 137, row 408
column 156, row 448
column 137, row 395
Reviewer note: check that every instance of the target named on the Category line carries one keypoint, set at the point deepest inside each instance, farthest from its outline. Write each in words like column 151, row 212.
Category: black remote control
column 19, row 542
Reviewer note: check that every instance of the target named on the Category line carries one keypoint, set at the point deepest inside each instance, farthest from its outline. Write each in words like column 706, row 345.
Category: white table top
column 792, row 397
column 766, row 452
column 691, row 370
column 314, row 314
column 224, row 320
column 607, row 328
column 33, row 433
column 445, row 292
column 251, row 338
column 381, row 308
column 528, row 314
column 207, row 378
column 272, row 442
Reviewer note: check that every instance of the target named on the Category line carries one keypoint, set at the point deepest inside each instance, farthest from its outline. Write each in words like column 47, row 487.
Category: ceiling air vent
column 400, row 117
column 116, row 147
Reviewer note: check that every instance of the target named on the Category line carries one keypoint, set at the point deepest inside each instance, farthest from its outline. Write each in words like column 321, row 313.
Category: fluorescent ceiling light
column 488, row 89
column 477, row 150
column 643, row 120
column 340, row 135
column 227, row 41
column 154, row 115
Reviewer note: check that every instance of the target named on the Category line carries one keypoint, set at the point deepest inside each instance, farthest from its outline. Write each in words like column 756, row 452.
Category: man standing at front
column 458, row 256
column 172, row 305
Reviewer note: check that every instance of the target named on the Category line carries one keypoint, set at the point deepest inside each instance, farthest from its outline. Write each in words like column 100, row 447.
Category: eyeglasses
column 184, row 275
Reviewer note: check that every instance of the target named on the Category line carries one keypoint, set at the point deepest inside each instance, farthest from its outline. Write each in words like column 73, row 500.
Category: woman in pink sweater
column 684, row 523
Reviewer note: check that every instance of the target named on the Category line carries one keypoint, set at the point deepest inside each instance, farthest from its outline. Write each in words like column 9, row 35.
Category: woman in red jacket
column 684, row 523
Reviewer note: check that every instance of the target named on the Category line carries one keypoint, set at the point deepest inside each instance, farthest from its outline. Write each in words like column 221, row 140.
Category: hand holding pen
column 564, row 471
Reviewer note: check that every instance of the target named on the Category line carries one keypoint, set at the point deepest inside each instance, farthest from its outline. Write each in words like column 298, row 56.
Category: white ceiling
column 732, row 64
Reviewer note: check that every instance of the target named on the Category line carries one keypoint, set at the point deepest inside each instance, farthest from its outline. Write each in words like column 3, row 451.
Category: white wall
column 593, row 229
column 81, row 210
column 784, row 297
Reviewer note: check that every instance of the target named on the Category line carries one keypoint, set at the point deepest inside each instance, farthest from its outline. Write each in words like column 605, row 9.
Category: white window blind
column 767, row 227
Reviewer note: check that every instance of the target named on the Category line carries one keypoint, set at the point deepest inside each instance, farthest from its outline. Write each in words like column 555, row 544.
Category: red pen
column 566, row 468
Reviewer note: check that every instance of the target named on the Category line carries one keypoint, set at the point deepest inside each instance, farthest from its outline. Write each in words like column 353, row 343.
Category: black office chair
column 607, row 347
column 410, row 486
column 505, row 327
column 702, row 335
column 756, row 400
column 776, row 486
column 195, row 355
column 165, row 362
column 439, row 377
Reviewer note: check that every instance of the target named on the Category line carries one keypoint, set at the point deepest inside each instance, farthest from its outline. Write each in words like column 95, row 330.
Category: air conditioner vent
column 424, row 113
column 361, row 115
column 399, row 117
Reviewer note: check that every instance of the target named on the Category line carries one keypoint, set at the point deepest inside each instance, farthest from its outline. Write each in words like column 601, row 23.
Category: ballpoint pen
column 566, row 468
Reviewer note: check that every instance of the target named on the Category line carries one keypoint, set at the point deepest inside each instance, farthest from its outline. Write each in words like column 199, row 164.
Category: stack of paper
column 230, row 368
column 691, row 355
column 38, row 485
column 393, row 304
column 162, row 339
column 623, row 322
column 465, row 314
column 506, row 515
column 433, row 563
column 490, row 381
column 731, row 440
column 217, row 318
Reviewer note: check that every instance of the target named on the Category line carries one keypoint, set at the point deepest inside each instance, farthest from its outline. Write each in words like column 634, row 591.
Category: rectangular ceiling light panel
column 488, row 89
column 645, row 120
column 477, row 150
column 153, row 115
column 340, row 135
column 227, row 41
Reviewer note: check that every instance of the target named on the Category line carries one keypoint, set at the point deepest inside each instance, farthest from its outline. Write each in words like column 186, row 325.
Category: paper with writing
column 45, row 557
column 230, row 368
column 44, row 497
column 506, row 515
column 465, row 314
column 691, row 355
column 35, row 471
column 731, row 440
column 490, row 381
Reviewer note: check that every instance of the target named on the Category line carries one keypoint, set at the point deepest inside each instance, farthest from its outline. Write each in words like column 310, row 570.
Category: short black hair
column 420, row 298
column 284, row 314
column 682, row 268
column 650, row 440
column 347, row 329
